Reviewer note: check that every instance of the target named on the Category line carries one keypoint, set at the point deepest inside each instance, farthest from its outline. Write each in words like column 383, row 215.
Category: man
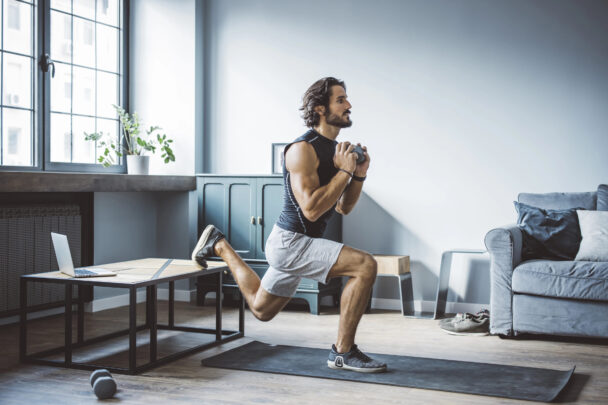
column 320, row 176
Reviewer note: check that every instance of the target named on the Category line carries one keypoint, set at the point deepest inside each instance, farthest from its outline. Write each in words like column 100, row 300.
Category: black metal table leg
column 23, row 319
column 406, row 294
column 132, row 328
column 153, row 321
column 80, row 313
column 171, row 303
column 148, row 309
column 68, row 325
column 241, row 313
column 218, row 307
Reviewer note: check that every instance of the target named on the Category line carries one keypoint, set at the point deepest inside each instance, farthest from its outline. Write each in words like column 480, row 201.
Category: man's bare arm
column 350, row 197
column 301, row 161
column 352, row 193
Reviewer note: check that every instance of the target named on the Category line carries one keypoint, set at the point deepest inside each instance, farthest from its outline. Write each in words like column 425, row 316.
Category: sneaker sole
column 466, row 333
column 201, row 242
column 331, row 365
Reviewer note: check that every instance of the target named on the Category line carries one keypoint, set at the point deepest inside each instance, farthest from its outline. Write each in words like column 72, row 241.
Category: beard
column 337, row 121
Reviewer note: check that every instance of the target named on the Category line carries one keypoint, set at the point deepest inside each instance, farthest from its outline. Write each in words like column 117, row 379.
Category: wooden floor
column 186, row 382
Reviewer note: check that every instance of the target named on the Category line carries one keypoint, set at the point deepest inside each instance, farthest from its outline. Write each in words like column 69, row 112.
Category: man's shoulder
column 300, row 152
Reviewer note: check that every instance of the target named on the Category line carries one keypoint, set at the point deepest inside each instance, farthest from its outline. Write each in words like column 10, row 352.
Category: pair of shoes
column 354, row 360
column 204, row 247
column 467, row 324
column 482, row 314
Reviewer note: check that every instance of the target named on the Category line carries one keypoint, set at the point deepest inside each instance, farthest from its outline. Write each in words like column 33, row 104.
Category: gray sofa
column 542, row 296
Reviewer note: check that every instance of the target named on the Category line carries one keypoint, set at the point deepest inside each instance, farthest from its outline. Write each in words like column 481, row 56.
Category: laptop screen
column 62, row 252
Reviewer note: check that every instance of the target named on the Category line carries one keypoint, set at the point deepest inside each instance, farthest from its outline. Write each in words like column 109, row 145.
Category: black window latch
column 45, row 63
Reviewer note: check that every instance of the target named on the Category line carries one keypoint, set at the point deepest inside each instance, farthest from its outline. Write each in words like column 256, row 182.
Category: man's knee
column 369, row 268
column 263, row 314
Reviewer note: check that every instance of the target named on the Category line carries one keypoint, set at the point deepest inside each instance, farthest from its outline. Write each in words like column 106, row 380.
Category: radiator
column 26, row 247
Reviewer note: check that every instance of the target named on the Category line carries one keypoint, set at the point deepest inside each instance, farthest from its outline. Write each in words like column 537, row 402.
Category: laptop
column 64, row 259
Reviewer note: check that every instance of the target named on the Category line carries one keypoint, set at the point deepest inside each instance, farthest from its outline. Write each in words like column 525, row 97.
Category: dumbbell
column 360, row 156
column 103, row 384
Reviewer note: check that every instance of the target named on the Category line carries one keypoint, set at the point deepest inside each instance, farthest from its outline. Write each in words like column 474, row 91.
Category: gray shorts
column 292, row 256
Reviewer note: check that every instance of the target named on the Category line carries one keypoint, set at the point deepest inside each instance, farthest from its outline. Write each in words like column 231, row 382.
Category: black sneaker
column 355, row 360
column 204, row 248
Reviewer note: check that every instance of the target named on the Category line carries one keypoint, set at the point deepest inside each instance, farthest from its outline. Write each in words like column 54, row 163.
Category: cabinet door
column 240, row 227
column 212, row 203
column 270, row 204
column 229, row 204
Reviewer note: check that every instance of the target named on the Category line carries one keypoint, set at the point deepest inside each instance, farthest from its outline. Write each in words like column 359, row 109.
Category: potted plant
column 133, row 143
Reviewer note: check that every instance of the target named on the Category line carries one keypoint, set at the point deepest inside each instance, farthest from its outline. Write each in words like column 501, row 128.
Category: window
column 17, row 61
column 85, row 42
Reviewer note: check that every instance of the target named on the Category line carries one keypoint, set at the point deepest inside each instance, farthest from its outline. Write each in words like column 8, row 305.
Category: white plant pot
column 138, row 164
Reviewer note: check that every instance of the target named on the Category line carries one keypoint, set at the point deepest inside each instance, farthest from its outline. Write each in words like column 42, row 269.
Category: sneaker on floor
column 482, row 314
column 354, row 360
column 204, row 248
column 467, row 325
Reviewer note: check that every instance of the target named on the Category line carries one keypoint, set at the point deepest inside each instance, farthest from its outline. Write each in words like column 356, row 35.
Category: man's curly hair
column 317, row 94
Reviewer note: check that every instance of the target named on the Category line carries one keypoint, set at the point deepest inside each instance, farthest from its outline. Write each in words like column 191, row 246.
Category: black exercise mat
column 534, row 384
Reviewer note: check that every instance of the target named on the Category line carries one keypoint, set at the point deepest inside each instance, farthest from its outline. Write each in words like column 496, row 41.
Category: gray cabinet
column 246, row 208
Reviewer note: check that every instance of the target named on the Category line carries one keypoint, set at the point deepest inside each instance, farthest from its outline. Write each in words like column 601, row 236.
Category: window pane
column 17, row 89
column 61, row 88
column 82, row 151
column 107, row 12
column 84, row 91
column 84, row 42
column 61, row 139
column 17, row 27
column 107, row 94
column 16, row 137
column 65, row 5
column 61, row 37
column 107, row 48
column 110, row 132
column 85, row 8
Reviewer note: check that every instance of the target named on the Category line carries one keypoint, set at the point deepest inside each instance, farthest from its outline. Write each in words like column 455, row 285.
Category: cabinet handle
column 260, row 220
column 252, row 220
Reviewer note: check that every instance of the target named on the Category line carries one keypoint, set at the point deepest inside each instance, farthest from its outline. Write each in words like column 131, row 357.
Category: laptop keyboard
column 85, row 272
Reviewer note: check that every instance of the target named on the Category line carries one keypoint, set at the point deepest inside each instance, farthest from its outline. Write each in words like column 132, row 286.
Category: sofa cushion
column 560, row 201
column 594, row 231
column 562, row 279
column 602, row 197
column 548, row 234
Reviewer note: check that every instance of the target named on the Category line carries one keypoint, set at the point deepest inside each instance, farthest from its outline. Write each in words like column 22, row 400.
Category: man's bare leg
column 361, row 268
column 261, row 303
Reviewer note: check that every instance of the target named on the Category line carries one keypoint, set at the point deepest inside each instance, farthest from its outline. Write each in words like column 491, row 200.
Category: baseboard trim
column 427, row 306
column 190, row 296
column 123, row 300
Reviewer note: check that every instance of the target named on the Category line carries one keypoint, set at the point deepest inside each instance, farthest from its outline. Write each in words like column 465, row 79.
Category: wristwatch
column 359, row 178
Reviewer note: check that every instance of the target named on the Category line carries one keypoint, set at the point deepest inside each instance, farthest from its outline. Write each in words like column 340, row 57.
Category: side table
column 444, row 279
column 406, row 295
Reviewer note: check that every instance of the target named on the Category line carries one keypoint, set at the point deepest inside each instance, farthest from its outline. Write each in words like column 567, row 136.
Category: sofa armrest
column 504, row 245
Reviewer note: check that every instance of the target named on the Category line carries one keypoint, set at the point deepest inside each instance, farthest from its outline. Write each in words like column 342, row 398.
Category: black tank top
column 292, row 218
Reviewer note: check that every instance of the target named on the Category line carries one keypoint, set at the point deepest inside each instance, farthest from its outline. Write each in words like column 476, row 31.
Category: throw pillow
column 594, row 230
column 602, row 197
column 548, row 234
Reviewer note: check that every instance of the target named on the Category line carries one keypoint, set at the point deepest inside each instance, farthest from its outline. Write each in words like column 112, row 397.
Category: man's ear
column 320, row 109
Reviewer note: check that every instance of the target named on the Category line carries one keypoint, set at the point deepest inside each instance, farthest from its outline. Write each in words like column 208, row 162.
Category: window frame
column 41, row 91
column 35, row 86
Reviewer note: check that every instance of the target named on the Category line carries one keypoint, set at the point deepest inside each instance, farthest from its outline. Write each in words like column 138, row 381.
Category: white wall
column 463, row 104
column 162, row 76
column 137, row 225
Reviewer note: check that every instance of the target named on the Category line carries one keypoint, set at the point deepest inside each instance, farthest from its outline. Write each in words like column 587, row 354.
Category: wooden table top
column 135, row 272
